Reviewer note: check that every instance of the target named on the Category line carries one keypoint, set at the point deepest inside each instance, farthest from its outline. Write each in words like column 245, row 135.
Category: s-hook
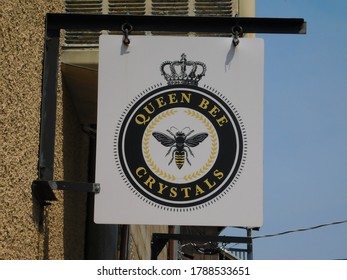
column 126, row 29
column 237, row 32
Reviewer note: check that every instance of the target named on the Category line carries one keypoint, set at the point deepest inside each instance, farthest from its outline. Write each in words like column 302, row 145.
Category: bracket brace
column 43, row 190
column 56, row 22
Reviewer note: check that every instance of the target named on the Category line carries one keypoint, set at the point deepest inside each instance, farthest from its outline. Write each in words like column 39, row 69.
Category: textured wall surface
column 140, row 241
column 21, row 42
column 62, row 233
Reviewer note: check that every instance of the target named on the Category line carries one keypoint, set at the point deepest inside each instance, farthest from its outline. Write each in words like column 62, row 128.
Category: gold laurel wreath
column 164, row 174
column 214, row 148
column 145, row 145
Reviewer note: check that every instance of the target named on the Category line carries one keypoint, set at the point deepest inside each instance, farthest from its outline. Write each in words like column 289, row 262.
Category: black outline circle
column 225, row 185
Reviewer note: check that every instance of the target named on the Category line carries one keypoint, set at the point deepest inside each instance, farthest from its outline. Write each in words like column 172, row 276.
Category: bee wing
column 165, row 140
column 196, row 139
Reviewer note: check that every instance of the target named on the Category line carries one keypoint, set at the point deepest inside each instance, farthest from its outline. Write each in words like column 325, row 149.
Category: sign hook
column 237, row 32
column 126, row 29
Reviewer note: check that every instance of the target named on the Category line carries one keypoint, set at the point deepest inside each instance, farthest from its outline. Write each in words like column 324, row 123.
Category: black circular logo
column 180, row 147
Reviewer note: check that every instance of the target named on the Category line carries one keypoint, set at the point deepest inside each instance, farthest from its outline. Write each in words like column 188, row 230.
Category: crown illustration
column 183, row 72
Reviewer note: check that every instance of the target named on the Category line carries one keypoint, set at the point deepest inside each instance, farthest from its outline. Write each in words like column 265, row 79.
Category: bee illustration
column 180, row 143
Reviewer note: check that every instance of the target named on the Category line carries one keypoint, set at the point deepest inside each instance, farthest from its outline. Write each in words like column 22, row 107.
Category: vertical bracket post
column 48, row 104
column 249, row 245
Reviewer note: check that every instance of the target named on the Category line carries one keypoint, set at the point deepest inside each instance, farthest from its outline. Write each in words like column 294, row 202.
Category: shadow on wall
column 75, row 164
column 41, row 220
column 75, row 169
column 83, row 239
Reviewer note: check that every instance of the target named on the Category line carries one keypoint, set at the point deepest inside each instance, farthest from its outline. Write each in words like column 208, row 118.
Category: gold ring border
column 165, row 175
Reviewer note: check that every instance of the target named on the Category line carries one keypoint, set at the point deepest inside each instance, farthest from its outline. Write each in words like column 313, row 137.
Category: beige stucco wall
column 140, row 241
column 247, row 8
column 61, row 236
column 21, row 54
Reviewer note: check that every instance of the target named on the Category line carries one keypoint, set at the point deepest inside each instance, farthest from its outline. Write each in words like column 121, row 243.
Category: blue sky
column 305, row 119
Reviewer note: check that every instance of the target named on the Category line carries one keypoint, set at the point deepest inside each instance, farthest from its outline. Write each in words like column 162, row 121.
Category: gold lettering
column 172, row 98
column 141, row 119
column 173, row 192
column 204, row 103
column 186, row 191
column 207, row 182
column 221, row 121
column 218, row 174
column 150, row 182
column 162, row 187
column 148, row 110
column 161, row 102
column 198, row 190
column 213, row 112
column 138, row 172
column 185, row 97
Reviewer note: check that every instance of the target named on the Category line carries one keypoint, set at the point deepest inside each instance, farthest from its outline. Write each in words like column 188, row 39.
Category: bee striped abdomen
column 180, row 158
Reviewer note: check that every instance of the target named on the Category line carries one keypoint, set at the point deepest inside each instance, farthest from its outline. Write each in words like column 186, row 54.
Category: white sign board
column 180, row 131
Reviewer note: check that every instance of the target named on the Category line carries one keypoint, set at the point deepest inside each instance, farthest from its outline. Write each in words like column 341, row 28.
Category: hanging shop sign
column 180, row 131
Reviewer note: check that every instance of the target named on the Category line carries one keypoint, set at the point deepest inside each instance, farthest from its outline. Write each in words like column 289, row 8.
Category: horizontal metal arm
column 43, row 190
column 203, row 24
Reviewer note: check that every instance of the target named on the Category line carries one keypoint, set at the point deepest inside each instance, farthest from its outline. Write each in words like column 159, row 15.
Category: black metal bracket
column 56, row 22
column 203, row 24
column 43, row 190
column 159, row 240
